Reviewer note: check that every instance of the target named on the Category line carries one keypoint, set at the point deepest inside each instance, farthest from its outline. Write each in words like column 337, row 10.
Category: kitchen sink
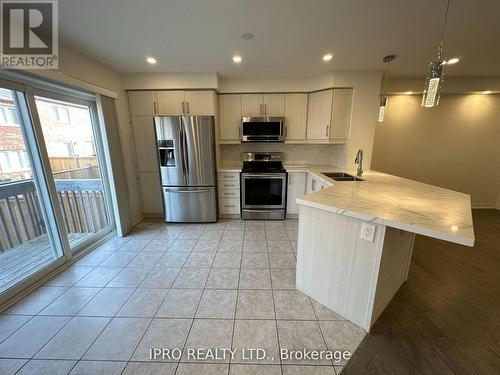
column 341, row 176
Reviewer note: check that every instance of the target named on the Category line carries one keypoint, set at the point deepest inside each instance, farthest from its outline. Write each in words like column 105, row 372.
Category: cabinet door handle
column 290, row 179
column 187, row 106
column 327, row 128
column 155, row 109
column 265, row 108
column 229, row 206
column 183, row 109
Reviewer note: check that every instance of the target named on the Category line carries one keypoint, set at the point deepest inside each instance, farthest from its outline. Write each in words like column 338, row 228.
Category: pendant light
column 435, row 75
column 383, row 98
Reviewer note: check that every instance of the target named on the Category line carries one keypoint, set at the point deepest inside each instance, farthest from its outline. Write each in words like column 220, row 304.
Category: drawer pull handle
column 229, row 206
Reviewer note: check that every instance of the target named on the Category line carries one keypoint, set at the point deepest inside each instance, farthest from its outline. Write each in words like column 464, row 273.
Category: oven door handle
column 261, row 211
column 264, row 175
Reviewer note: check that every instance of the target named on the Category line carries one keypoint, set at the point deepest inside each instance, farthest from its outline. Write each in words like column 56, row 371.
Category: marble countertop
column 392, row 201
column 395, row 202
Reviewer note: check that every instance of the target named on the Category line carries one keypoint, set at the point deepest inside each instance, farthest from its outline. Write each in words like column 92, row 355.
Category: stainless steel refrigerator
column 186, row 153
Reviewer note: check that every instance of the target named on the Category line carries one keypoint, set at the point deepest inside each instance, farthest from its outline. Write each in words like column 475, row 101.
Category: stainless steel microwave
column 262, row 129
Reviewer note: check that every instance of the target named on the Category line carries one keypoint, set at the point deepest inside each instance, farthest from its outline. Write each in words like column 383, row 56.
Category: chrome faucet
column 359, row 162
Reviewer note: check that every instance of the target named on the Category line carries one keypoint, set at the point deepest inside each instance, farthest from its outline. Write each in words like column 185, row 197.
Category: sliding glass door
column 54, row 191
column 70, row 139
column 27, row 242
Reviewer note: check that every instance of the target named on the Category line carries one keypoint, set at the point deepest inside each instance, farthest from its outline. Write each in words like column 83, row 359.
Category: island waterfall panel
column 355, row 278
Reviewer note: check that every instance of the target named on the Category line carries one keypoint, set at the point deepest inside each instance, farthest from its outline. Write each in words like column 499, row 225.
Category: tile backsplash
column 300, row 154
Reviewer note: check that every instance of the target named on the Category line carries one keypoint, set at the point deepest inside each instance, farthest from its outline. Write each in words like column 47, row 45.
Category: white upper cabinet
column 142, row 103
column 230, row 118
column 272, row 105
column 178, row 102
column 199, row 103
column 170, row 103
column 251, row 105
column 145, row 144
column 295, row 117
column 341, row 114
column 319, row 115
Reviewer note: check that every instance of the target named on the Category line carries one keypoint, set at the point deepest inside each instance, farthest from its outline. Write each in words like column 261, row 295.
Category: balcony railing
column 88, row 172
column 81, row 202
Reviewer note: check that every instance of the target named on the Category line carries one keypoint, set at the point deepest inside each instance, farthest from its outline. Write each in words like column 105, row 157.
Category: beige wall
column 79, row 70
column 167, row 81
column 455, row 145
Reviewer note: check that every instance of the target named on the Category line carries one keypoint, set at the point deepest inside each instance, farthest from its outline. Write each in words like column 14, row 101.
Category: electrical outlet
column 368, row 232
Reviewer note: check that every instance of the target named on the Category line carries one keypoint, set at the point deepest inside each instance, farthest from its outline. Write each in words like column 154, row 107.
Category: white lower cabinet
column 296, row 189
column 151, row 192
column 310, row 184
column 229, row 206
column 228, row 191
column 314, row 184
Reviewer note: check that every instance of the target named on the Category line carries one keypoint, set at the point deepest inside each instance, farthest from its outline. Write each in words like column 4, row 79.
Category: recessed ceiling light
column 454, row 228
column 452, row 61
column 236, row 59
column 327, row 57
column 151, row 60
column 487, row 92
column 408, row 92
column 247, row 36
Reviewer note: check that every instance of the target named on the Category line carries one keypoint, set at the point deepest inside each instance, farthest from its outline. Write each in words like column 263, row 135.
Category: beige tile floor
column 224, row 285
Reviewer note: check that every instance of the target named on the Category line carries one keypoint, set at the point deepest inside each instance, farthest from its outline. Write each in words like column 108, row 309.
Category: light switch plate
column 368, row 232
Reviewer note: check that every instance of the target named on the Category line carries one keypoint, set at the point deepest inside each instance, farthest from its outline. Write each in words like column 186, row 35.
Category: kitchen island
column 356, row 238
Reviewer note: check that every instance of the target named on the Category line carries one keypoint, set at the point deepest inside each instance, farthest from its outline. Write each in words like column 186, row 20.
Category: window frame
column 100, row 154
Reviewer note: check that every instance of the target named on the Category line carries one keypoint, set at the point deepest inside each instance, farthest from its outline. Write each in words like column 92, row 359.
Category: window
column 8, row 116
column 70, row 149
column 60, row 115
column 14, row 161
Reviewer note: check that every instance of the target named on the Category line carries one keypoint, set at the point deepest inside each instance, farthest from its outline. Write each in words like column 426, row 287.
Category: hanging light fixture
column 435, row 75
column 383, row 98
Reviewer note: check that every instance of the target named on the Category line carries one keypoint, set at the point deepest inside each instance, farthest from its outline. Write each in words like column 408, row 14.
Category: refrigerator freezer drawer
column 190, row 204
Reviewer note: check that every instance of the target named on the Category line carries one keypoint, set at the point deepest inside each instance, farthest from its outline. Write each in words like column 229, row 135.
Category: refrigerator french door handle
column 185, row 154
column 187, row 191
column 181, row 152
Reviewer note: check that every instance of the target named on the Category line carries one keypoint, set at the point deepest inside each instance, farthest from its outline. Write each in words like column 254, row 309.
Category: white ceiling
column 291, row 36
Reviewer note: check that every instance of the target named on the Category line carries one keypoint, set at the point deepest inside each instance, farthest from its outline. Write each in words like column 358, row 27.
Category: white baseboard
column 484, row 206
column 152, row 214
column 229, row 216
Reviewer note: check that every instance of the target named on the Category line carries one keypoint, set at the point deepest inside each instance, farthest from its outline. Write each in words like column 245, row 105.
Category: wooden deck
column 18, row 263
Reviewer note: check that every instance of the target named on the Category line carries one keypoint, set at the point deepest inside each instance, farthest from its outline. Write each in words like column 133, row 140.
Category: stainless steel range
column 263, row 186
